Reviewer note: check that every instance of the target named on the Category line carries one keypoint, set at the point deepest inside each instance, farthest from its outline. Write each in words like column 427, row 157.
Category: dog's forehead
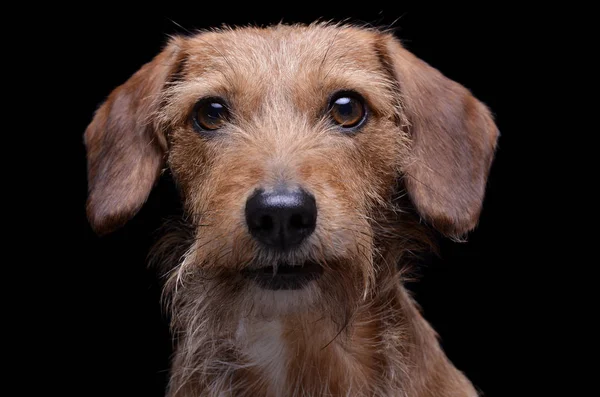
column 302, row 64
column 282, row 49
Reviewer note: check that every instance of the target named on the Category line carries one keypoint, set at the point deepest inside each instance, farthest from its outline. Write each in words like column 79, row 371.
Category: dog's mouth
column 284, row 276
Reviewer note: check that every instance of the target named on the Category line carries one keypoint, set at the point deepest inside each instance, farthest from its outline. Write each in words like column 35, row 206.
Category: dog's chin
column 284, row 288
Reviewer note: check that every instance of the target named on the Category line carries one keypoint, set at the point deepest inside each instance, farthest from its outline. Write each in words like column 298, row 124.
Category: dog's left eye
column 347, row 109
column 210, row 114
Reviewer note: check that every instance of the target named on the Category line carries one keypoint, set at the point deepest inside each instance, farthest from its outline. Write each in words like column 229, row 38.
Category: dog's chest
column 263, row 344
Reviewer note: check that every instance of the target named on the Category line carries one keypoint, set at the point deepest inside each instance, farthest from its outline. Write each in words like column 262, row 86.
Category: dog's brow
column 332, row 42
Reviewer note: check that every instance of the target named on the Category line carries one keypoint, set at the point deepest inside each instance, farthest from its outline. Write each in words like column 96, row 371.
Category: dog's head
column 289, row 145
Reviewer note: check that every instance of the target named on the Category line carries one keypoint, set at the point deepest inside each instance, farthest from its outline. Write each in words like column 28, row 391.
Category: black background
column 472, row 294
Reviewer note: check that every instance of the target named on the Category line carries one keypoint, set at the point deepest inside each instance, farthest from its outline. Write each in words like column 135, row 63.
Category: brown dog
column 306, row 157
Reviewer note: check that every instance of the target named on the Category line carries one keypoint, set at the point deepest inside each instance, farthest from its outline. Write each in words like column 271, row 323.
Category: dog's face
column 289, row 145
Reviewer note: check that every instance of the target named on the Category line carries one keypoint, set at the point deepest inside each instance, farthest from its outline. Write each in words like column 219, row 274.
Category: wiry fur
column 424, row 152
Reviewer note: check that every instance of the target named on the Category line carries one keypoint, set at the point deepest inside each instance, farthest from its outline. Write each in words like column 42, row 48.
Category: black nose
column 281, row 218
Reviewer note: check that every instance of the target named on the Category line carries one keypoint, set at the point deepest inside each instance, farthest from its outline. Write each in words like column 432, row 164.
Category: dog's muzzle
column 280, row 220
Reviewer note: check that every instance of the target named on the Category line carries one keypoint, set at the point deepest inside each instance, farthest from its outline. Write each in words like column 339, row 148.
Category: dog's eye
column 210, row 114
column 347, row 109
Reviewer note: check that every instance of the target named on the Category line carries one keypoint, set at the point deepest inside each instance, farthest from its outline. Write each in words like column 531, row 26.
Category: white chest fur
column 263, row 344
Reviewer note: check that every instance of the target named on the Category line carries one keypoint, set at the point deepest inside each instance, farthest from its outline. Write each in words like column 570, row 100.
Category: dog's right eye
column 210, row 114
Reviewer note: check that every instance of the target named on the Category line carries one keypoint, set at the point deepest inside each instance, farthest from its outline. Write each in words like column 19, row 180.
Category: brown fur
column 355, row 331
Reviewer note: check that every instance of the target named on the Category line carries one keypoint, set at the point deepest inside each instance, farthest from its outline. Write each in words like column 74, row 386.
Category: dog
column 313, row 162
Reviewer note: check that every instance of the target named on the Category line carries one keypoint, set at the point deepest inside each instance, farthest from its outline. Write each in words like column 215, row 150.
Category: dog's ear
column 124, row 149
column 453, row 139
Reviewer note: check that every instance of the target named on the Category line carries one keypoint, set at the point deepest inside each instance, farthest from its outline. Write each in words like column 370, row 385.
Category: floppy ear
column 124, row 149
column 453, row 139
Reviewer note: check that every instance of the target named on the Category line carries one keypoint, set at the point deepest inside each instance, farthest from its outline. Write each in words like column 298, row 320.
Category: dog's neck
column 384, row 346
column 309, row 351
